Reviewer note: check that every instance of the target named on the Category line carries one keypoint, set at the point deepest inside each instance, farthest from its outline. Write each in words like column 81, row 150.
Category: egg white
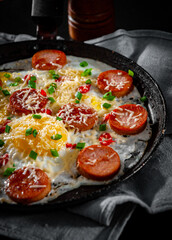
column 62, row 169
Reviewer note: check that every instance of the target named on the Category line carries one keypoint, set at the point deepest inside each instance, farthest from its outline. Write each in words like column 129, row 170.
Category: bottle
column 47, row 15
column 88, row 19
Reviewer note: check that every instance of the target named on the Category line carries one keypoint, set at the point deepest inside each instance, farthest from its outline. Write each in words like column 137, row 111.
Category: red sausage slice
column 116, row 81
column 27, row 185
column 79, row 116
column 27, row 101
column 49, row 59
column 128, row 119
column 98, row 162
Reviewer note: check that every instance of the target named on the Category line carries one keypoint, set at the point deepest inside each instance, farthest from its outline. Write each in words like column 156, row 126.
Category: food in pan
column 66, row 122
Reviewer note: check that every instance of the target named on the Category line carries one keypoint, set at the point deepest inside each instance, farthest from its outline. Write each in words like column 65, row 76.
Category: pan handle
column 47, row 15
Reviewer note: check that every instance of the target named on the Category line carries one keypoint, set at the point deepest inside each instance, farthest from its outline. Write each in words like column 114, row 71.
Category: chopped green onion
column 32, row 78
column 106, row 105
column 54, row 85
column 102, row 127
column 56, row 137
column 5, row 92
column 17, row 79
column 35, row 132
column 32, row 84
column 52, row 100
column 8, row 172
column 51, row 90
column 78, row 95
column 143, row 99
column 58, row 118
column 7, row 129
column 1, row 143
column 77, row 101
column 36, row 116
column 80, row 145
column 7, row 75
column 28, row 131
column 0, row 88
column 55, row 76
column 14, row 84
column 88, row 81
column 9, row 118
column 51, row 72
column 86, row 72
column 83, row 64
column 33, row 155
column 131, row 73
column 108, row 96
column 54, row 152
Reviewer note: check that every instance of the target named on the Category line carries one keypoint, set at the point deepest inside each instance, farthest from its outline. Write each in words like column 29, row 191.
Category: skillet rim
column 118, row 59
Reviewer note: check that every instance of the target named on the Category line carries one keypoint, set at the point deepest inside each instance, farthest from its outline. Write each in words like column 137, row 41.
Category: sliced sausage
column 27, row 185
column 48, row 59
column 27, row 101
column 98, row 162
column 79, row 116
column 128, row 119
column 116, row 81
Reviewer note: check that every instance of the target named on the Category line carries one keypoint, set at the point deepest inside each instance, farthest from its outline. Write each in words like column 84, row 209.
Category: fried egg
column 48, row 133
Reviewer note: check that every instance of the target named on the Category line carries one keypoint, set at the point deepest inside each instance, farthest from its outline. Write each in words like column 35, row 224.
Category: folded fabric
column 151, row 187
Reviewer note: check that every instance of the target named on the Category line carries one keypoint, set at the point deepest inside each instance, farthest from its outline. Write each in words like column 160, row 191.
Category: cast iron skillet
column 142, row 80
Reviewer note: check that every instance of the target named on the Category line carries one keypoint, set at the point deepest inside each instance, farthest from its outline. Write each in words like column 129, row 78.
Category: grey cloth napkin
column 151, row 187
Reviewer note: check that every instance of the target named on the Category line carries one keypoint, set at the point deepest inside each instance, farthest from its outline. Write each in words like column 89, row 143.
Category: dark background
column 15, row 18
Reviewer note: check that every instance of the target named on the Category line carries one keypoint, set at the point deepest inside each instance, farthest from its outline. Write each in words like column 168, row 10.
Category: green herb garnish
column 28, row 131
column 108, row 96
column 33, row 155
column 131, row 73
column 14, row 84
column 78, row 95
column 56, row 137
column 106, row 105
column 8, row 172
column 34, row 132
column 54, row 152
column 32, row 84
column 1, row 143
column 143, row 99
column 36, row 116
column 51, row 89
column 6, row 92
column 51, row 72
column 87, row 72
column 88, row 81
column 83, row 64
column 77, row 101
column 7, row 128
column 17, row 79
column 7, row 75
column 102, row 127
column 52, row 100
column 80, row 145
column 58, row 118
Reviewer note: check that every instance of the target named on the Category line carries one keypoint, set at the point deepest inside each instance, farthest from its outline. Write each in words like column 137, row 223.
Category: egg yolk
column 38, row 135
column 92, row 101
